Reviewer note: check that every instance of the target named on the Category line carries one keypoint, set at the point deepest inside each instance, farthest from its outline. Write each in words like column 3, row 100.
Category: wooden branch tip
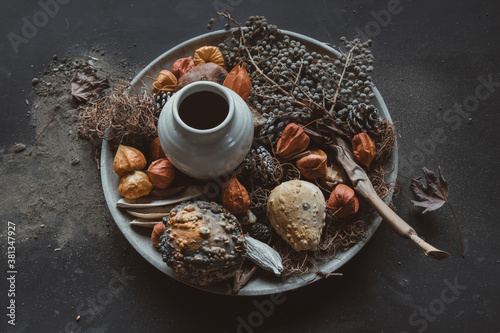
column 429, row 250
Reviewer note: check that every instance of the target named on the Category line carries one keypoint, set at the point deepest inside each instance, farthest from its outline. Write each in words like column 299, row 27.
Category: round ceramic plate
column 140, row 237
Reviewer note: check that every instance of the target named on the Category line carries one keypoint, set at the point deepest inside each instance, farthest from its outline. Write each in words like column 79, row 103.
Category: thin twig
column 347, row 63
column 50, row 121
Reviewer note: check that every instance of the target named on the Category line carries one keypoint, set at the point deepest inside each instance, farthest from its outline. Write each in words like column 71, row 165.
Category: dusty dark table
column 432, row 61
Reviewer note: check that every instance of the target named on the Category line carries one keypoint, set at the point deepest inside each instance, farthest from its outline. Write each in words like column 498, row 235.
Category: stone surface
column 428, row 57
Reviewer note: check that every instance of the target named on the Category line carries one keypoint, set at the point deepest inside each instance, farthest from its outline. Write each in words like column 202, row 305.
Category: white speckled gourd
column 296, row 210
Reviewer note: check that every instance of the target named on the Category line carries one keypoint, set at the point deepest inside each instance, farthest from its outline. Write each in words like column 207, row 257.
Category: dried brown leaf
column 432, row 197
column 87, row 87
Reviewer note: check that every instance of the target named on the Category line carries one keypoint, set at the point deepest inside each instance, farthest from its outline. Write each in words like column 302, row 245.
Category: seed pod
column 313, row 165
column 165, row 82
column 155, row 150
column 181, row 66
column 238, row 81
column 207, row 54
column 363, row 148
column 161, row 173
column 293, row 140
column 128, row 159
column 235, row 197
column 134, row 185
column 264, row 256
column 343, row 202
column 158, row 230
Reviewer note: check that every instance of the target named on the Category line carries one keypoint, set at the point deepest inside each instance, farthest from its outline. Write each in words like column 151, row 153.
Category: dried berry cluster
column 291, row 81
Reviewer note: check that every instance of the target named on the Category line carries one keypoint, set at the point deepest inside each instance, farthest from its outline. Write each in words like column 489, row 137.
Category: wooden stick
column 364, row 187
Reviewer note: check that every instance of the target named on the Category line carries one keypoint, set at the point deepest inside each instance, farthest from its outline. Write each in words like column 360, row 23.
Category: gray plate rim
column 139, row 239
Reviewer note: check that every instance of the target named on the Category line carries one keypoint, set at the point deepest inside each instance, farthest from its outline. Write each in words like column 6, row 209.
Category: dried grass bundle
column 125, row 116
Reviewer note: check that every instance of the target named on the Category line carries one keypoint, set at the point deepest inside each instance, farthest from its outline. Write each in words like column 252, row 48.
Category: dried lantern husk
column 343, row 201
column 206, row 54
column 238, row 81
column 134, row 185
column 161, row 173
column 155, row 150
column 158, row 231
column 128, row 159
column 364, row 149
column 182, row 66
column 235, row 197
column 293, row 140
column 207, row 72
column 165, row 82
column 313, row 165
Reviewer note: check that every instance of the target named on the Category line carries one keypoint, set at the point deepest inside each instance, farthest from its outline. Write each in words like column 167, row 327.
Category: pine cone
column 259, row 166
column 273, row 128
column 160, row 99
column 260, row 232
column 363, row 118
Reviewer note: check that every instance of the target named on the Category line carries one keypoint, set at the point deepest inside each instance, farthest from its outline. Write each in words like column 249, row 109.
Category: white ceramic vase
column 205, row 129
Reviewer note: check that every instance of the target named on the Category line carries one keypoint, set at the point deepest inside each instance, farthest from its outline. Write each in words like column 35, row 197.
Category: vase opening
column 203, row 110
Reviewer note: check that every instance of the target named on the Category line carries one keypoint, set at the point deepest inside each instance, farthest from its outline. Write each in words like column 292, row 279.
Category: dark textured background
column 428, row 58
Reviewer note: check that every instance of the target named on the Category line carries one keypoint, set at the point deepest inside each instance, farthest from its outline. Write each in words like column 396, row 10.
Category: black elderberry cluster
column 292, row 81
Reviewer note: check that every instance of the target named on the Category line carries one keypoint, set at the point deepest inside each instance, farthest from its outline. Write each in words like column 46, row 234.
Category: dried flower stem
column 347, row 63
column 458, row 228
